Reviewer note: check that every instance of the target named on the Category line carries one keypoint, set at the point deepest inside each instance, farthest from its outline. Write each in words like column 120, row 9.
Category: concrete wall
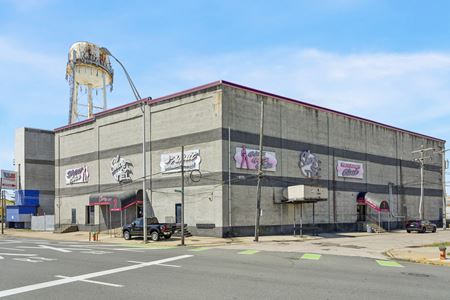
column 34, row 152
column 193, row 121
column 290, row 128
column 200, row 120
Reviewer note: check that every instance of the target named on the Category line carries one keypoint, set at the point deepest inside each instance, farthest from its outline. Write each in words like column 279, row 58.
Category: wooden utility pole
column 421, row 161
column 260, row 173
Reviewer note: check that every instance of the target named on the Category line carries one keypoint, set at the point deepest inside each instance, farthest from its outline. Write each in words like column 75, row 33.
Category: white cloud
column 409, row 90
column 22, row 58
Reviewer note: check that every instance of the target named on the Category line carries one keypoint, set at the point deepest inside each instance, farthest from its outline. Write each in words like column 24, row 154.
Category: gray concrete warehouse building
column 366, row 167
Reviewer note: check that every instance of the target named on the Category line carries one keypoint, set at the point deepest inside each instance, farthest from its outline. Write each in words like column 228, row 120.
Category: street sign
column 8, row 179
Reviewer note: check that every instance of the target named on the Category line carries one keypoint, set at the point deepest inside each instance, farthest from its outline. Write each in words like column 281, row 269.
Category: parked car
column 155, row 230
column 420, row 226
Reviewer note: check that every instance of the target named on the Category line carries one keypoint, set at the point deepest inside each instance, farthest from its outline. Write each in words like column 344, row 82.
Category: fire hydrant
column 443, row 253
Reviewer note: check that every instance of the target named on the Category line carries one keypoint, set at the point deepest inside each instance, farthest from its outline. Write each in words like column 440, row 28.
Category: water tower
column 88, row 69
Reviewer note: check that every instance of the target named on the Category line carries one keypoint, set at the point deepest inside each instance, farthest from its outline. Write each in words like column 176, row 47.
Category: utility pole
column 444, row 194
column 144, row 175
column 182, row 195
column 260, row 173
column 421, row 160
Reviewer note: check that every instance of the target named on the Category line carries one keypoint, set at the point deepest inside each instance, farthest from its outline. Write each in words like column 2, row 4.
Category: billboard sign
column 350, row 169
column 77, row 175
column 171, row 162
column 247, row 158
column 8, row 179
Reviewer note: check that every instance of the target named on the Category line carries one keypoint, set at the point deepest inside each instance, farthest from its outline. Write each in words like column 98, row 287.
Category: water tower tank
column 88, row 67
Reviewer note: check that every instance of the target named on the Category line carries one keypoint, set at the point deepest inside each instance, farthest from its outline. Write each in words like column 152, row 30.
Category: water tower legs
column 90, row 105
column 104, row 91
column 74, row 103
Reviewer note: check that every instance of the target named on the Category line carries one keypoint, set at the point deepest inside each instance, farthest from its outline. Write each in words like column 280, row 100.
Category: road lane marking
column 164, row 265
column 54, row 248
column 64, row 250
column 13, row 249
column 311, row 256
column 94, row 281
column 128, row 249
column 27, row 259
column 34, row 259
column 10, row 242
column 18, row 254
column 389, row 263
column 248, row 252
column 199, row 249
column 148, row 246
column 97, row 252
column 43, row 285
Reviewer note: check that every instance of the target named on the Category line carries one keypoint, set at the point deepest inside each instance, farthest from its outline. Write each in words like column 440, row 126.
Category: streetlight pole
column 144, row 174
column 182, row 195
column 144, row 169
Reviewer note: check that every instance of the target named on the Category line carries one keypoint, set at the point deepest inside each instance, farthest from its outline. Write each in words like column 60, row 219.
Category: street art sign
column 247, row 158
column 171, row 162
column 309, row 164
column 350, row 169
column 121, row 169
column 8, row 179
column 77, row 175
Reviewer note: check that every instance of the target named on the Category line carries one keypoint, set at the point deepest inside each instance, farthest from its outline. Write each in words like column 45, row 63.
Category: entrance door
column 74, row 216
column 361, row 213
column 178, row 213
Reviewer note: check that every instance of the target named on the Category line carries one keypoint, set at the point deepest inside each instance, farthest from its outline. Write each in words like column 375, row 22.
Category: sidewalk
column 396, row 244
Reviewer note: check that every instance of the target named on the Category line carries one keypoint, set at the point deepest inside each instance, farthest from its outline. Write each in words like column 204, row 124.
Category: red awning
column 117, row 201
column 374, row 201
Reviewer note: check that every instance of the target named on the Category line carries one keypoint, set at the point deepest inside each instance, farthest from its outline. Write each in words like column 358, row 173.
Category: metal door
column 178, row 213
column 74, row 216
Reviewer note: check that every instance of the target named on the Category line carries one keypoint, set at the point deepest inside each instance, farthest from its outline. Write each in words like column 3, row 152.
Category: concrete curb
column 423, row 261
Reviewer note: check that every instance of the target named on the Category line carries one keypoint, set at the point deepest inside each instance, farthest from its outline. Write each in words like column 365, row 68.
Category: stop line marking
column 84, row 277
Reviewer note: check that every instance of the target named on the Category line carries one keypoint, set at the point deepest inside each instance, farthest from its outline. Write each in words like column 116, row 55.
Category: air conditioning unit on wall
column 305, row 193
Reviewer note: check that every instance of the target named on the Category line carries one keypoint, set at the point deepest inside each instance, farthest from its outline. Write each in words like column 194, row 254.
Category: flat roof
column 248, row 89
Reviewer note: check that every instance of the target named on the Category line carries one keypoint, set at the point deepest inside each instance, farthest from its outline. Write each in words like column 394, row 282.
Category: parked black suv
column 420, row 226
column 155, row 230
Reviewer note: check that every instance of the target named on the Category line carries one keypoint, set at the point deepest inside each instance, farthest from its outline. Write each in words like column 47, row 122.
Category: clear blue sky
column 384, row 60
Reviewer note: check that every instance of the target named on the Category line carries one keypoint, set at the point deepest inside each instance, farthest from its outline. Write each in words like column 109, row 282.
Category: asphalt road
column 41, row 269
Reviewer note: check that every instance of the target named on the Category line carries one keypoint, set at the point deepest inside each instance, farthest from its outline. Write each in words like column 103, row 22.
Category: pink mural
column 249, row 159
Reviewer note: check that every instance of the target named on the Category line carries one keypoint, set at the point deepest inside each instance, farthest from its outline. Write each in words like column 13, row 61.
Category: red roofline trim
column 248, row 89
